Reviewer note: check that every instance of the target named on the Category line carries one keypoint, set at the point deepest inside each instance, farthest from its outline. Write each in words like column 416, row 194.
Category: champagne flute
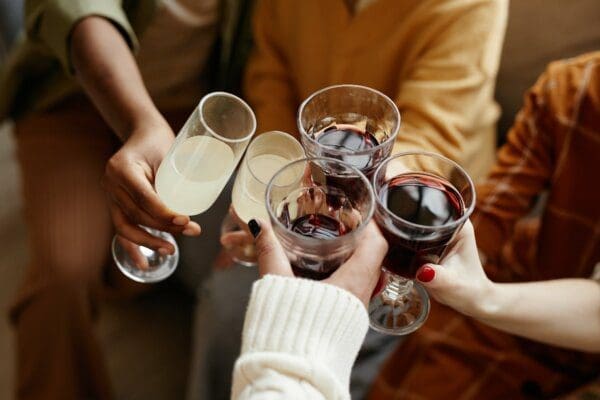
column 266, row 155
column 193, row 173
column 422, row 201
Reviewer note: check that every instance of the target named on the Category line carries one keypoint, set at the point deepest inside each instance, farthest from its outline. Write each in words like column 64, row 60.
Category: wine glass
column 422, row 201
column 353, row 123
column 317, row 223
column 266, row 155
column 193, row 174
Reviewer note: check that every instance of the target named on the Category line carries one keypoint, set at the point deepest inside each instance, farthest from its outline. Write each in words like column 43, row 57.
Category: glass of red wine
column 422, row 201
column 318, row 224
column 352, row 123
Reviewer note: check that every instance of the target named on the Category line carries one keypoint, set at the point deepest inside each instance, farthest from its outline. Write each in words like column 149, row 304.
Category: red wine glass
column 352, row 123
column 422, row 201
column 317, row 223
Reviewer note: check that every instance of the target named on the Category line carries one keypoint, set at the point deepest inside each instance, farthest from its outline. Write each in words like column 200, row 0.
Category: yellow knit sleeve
column 51, row 22
column 448, row 92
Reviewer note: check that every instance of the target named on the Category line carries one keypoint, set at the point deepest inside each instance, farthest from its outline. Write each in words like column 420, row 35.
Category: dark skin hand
column 110, row 77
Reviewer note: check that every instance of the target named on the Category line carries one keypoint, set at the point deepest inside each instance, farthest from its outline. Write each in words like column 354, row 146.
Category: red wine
column 426, row 201
column 318, row 226
column 350, row 139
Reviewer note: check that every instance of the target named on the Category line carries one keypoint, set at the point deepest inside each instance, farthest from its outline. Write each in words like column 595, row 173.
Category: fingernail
column 163, row 251
column 426, row 274
column 254, row 227
column 180, row 220
column 189, row 231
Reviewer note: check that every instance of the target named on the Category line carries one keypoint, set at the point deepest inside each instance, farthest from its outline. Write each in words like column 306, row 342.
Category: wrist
column 488, row 302
column 147, row 123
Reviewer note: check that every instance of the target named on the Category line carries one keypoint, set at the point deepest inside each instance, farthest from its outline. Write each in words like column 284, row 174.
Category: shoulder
column 568, row 84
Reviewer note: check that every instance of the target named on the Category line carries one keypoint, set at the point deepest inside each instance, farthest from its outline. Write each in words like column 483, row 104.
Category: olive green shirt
column 38, row 73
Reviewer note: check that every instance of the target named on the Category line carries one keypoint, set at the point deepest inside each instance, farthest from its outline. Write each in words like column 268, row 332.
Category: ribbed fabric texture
column 300, row 340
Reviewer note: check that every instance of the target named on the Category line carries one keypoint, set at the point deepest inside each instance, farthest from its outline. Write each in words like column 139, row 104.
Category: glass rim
column 276, row 133
column 333, row 150
column 455, row 223
column 231, row 96
column 369, row 215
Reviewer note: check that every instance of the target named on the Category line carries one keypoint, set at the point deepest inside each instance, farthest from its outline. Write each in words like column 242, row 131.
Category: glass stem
column 396, row 288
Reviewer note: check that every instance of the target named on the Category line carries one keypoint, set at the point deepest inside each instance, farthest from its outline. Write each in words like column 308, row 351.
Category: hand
column 460, row 281
column 240, row 238
column 128, row 180
column 358, row 275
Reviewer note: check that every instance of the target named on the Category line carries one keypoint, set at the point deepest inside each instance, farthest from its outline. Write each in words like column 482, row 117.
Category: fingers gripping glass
column 422, row 201
column 318, row 207
column 192, row 175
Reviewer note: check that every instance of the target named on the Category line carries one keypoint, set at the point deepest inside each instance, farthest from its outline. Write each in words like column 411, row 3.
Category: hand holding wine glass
column 358, row 275
column 128, row 181
column 459, row 281
column 190, row 177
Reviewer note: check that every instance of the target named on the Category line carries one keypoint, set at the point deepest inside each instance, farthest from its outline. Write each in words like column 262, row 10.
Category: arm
column 109, row 75
column 440, row 96
column 563, row 312
column 301, row 337
column 267, row 84
column 93, row 39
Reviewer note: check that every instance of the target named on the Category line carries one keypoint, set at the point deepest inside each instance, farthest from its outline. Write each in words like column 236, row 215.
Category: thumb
column 271, row 257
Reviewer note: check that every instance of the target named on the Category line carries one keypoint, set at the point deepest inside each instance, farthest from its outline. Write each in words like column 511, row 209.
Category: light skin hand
column 358, row 275
column 562, row 312
column 460, row 282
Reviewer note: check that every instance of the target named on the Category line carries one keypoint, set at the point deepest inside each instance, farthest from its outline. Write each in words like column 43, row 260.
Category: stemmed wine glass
column 422, row 201
column 317, row 223
column 193, row 174
column 266, row 155
column 352, row 123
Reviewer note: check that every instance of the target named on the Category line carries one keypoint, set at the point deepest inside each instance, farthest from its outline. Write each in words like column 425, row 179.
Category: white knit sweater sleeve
column 300, row 341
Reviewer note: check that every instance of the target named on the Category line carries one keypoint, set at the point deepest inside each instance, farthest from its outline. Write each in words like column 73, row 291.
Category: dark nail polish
column 426, row 274
column 254, row 227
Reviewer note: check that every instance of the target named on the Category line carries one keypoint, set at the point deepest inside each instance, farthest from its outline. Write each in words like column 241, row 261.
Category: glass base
column 400, row 308
column 159, row 267
column 244, row 254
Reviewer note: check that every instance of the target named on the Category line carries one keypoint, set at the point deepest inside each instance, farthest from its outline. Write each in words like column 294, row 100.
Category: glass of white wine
column 193, row 173
column 267, row 154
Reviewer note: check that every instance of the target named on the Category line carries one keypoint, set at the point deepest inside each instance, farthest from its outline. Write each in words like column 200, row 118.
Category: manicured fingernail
column 180, row 220
column 426, row 274
column 163, row 251
column 254, row 227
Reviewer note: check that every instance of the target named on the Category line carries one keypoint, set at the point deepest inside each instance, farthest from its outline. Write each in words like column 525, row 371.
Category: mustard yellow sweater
column 437, row 59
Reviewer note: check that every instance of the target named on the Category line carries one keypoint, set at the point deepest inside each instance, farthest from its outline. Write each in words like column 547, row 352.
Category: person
column 315, row 361
column 300, row 336
column 553, row 146
column 436, row 59
column 76, row 93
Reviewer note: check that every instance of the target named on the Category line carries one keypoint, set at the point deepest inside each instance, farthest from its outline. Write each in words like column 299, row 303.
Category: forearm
column 300, row 340
column 563, row 312
column 109, row 75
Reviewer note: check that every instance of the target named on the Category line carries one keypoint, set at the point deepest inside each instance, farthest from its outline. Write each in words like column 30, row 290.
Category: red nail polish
column 426, row 274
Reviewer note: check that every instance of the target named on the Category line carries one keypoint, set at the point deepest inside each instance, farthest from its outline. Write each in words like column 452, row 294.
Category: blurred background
column 539, row 31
